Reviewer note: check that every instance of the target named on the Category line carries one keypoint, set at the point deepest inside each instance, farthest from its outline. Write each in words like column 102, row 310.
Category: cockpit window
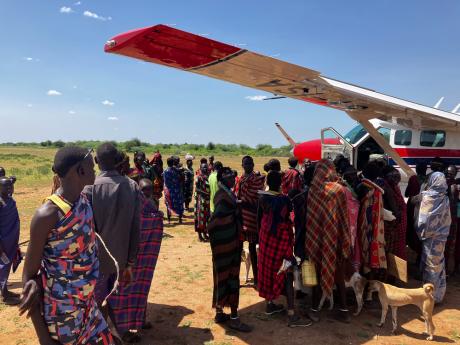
column 403, row 137
column 358, row 132
column 355, row 134
column 433, row 138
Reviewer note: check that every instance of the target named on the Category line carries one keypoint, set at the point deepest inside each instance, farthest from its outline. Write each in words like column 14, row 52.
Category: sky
column 56, row 82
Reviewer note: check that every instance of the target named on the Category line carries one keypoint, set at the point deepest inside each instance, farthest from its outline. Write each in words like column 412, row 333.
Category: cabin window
column 403, row 137
column 433, row 138
column 385, row 133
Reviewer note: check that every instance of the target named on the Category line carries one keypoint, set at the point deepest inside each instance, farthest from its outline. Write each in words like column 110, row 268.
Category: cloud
column 78, row 3
column 112, row 118
column 241, row 44
column 256, row 98
column 30, row 59
column 53, row 93
column 65, row 9
column 72, row 112
column 108, row 103
column 29, row 105
column 275, row 55
column 93, row 15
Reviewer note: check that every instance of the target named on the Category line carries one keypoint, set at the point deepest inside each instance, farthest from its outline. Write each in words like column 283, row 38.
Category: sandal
column 131, row 337
column 221, row 318
column 11, row 300
column 239, row 326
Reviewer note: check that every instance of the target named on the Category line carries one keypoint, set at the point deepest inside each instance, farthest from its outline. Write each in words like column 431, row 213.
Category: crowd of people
column 95, row 241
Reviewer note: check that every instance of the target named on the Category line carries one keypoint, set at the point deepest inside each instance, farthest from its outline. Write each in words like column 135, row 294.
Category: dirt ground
column 180, row 301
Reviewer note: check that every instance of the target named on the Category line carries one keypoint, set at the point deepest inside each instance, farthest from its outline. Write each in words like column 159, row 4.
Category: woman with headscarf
column 432, row 227
column 327, row 241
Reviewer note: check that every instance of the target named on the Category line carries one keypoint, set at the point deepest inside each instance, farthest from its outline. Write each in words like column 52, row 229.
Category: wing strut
column 386, row 147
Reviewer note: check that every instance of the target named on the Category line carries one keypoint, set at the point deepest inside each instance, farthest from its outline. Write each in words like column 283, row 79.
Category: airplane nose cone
column 311, row 149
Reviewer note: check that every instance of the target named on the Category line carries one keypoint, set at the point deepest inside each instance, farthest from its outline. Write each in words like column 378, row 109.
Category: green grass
column 31, row 167
column 455, row 335
column 186, row 324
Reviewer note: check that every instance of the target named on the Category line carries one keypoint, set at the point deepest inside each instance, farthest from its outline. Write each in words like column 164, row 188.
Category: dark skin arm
column 43, row 222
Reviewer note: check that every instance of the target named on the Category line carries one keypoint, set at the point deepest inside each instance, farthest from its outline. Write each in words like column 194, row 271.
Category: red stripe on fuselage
column 415, row 152
column 170, row 47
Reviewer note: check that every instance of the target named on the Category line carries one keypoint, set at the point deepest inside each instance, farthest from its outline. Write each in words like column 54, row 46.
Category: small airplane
column 405, row 131
column 359, row 146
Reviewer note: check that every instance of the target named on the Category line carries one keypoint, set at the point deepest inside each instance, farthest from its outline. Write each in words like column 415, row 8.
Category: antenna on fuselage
column 287, row 136
column 436, row 106
column 456, row 109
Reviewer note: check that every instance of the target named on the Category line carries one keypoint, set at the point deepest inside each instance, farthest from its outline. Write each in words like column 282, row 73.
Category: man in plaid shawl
column 129, row 304
column 292, row 179
column 246, row 191
column 327, row 241
column 371, row 230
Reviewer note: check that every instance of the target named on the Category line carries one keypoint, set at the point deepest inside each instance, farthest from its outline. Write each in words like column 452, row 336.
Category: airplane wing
column 189, row 52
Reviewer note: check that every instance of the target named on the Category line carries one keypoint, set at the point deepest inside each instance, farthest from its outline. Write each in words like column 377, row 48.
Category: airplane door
column 333, row 144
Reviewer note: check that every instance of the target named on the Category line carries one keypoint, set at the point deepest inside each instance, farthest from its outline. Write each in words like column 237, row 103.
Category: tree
column 130, row 144
column 59, row 143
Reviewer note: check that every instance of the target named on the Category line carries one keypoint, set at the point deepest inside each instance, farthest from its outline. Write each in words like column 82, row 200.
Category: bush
column 132, row 144
column 198, row 150
column 59, row 144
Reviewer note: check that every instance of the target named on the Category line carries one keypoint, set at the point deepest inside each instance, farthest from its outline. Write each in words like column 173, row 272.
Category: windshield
column 355, row 134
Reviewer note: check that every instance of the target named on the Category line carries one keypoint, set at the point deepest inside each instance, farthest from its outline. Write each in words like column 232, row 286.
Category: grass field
column 180, row 297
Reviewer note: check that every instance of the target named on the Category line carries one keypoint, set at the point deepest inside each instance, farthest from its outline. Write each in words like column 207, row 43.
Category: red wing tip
column 169, row 46
column 118, row 40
